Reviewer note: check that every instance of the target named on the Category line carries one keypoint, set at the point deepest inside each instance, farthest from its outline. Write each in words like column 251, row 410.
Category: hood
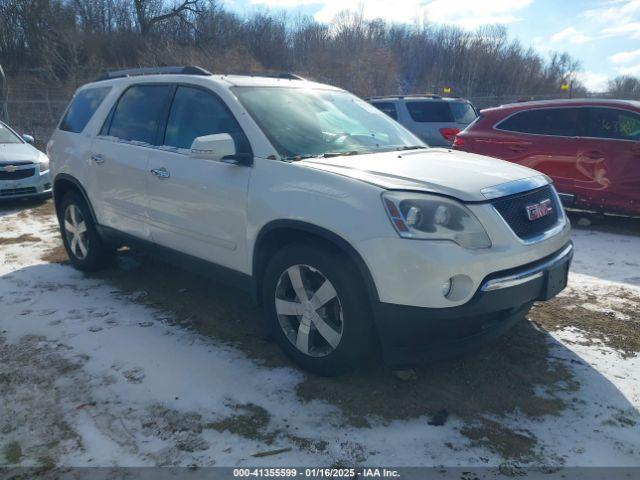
column 18, row 152
column 436, row 170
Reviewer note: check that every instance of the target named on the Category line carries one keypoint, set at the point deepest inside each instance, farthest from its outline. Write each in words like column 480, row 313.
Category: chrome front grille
column 513, row 210
column 16, row 174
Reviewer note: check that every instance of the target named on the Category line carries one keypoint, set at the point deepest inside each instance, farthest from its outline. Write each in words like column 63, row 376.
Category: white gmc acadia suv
column 349, row 230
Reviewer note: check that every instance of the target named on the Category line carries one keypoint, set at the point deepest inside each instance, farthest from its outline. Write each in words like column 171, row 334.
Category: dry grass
column 600, row 326
column 24, row 238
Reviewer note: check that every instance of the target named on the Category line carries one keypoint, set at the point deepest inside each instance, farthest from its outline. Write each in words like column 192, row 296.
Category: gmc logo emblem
column 539, row 210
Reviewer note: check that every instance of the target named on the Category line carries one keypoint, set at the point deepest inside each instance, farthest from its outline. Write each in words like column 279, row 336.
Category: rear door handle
column 161, row 172
column 517, row 147
column 99, row 159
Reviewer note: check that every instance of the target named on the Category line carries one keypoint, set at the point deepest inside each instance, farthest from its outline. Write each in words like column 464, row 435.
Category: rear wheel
column 317, row 309
column 86, row 250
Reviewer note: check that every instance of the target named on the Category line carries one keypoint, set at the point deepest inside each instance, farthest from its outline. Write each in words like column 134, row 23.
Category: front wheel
column 317, row 309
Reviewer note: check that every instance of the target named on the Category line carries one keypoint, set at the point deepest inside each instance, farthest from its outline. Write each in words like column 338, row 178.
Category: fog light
column 446, row 287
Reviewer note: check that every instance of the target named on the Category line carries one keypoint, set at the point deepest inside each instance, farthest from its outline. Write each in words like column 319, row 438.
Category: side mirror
column 219, row 147
column 29, row 139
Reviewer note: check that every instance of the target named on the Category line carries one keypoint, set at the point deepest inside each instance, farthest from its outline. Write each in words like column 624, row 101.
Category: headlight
column 44, row 162
column 429, row 217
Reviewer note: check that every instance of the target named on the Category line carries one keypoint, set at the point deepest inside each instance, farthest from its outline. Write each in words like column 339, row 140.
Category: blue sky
column 603, row 34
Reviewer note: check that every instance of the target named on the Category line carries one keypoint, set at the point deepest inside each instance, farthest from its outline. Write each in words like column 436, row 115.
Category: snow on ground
column 606, row 260
column 90, row 376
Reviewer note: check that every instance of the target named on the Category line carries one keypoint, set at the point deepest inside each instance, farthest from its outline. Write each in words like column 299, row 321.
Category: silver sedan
column 24, row 170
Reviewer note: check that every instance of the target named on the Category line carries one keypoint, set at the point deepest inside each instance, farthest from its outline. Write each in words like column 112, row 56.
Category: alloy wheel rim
column 75, row 229
column 309, row 310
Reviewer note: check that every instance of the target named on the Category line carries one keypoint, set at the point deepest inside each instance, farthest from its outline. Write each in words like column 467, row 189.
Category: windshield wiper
column 295, row 158
column 340, row 154
column 410, row 147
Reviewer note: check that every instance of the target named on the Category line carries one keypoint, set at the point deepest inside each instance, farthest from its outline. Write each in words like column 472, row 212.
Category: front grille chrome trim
column 529, row 274
column 514, row 187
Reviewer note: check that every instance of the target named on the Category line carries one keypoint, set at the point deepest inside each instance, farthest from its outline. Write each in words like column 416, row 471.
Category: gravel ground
column 146, row 364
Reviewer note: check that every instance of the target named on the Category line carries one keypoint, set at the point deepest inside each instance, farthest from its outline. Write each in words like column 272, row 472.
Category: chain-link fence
column 34, row 106
column 35, row 117
column 37, row 112
column 481, row 102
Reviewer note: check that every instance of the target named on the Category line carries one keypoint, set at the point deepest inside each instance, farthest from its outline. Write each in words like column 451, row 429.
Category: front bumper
column 36, row 186
column 413, row 334
column 412, row 272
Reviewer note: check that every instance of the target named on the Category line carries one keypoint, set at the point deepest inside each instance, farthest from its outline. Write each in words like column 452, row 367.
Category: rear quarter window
column 430, row 111
column 82, row 107
column 463, row 112
column 613, row 124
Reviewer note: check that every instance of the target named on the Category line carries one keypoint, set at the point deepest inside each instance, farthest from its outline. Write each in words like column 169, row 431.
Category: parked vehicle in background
column 434, row 119
column 24, row 170
column 346, row 228
column 590, row 148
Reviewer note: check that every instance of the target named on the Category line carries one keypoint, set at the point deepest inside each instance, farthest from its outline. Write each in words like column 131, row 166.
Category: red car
column 591, row 148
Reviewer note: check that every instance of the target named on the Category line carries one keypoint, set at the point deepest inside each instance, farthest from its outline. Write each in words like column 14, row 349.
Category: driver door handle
column 161, row 172
column 99, row 159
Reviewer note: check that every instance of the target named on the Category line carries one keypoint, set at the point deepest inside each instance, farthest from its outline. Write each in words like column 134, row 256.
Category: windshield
column 7, row 136
column 313, row 122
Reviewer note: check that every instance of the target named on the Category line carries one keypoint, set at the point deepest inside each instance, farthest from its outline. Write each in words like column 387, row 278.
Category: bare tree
column 68, row 40
column 624, row 87
column 4, row 96
column 150, row 13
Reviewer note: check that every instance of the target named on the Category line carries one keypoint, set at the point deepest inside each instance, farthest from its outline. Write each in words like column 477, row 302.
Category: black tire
column 355, row 345
column 98, row 253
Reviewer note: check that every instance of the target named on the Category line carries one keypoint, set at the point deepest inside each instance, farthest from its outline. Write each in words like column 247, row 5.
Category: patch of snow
column 603, row 261
column 135, row 365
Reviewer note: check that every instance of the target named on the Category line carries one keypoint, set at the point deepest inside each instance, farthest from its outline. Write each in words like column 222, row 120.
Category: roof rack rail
column 132, row 72
column 404, row 95
column 282, row 75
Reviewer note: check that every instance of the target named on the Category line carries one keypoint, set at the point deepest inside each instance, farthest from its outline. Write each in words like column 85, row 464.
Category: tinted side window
column 139, row 113
column 563, row 122
column 614, row 124
column 82, row 107
column 195, row 113
column 388, row 108
column 428, row 111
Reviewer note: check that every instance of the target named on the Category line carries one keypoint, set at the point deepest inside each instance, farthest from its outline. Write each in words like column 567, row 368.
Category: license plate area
column 556, row 281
